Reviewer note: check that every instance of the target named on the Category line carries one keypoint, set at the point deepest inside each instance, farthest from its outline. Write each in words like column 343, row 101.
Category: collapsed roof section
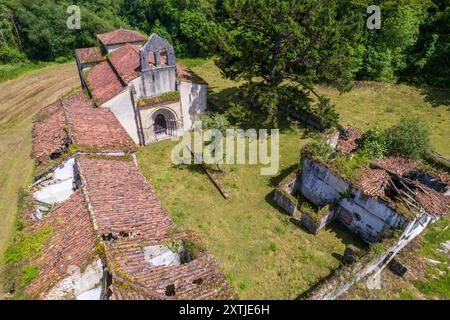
column 349, row 139
column 146, row 256
column 71, row 244
column 397, row 180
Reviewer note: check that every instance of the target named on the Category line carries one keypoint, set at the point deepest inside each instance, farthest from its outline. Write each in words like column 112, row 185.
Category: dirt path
column 20, row 99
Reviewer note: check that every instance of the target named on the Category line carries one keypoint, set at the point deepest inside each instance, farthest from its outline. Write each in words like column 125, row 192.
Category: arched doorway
column 160, row 125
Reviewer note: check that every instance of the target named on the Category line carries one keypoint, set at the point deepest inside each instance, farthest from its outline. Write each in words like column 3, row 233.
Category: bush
column 409, row 138
column 374, row 143
column 11, row 55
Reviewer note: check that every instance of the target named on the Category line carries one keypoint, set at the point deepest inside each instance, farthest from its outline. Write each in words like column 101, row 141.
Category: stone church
column 139, row 81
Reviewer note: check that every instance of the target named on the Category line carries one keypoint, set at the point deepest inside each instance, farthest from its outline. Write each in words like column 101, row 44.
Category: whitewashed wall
column 154, row 83
column 122, row 108
column 193, row 102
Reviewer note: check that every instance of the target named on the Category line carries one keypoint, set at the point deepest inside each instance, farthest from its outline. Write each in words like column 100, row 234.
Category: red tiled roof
column 72, row 243
column 49, row 136
column 89, row 55
column 121, row 36
column 121, row 198
column 127, row 62
column 372, row 182
column 124, row 205
column 349, row 143
column 435, row 203
column 185, row 74
column 94, row 128
column 398, row 165
column 103, row 82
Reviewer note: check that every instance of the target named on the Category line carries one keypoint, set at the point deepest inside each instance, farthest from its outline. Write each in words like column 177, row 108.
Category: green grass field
column 264, row 255
column 262, row 252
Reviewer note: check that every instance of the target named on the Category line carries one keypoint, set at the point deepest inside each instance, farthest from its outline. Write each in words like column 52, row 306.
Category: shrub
column 11, row 55
column 28, row 274
column 317, row 150
column 409, row 138
column 374, row 143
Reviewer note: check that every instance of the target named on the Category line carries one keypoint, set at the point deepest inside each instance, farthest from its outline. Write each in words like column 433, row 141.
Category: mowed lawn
column 20, row 99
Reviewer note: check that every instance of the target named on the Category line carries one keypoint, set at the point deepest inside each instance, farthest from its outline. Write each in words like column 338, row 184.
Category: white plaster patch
column 77, row 283
column 59, row 187
column 93, row 294
column 161, row 256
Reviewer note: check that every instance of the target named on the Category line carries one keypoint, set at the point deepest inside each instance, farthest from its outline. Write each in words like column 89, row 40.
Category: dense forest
column 413, row 43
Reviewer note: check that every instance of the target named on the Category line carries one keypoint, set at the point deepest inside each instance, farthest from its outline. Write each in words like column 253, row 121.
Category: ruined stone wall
column 369, row 217
column 314, row 226
column 319, row 184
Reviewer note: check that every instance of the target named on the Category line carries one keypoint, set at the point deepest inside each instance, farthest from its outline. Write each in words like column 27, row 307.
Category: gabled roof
column 127, row 62
column 49, row 136
column 120, row 36
column 103, row 82
column 71, row 243
column 94, row 129
column 89, row 55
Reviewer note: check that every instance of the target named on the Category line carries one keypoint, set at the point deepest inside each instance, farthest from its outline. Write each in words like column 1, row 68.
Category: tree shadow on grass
column 189, row 167
column 275, row 180
column 269, row 199
column 345, row 235
column 436, row 96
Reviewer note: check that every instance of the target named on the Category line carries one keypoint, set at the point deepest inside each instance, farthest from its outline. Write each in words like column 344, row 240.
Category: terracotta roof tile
column 398, row 165
column 435, row 203
column 49, row 136
column 94, row 129
column 103, row 82
column 89, row 55
column 185, row 74
column 120, row 36
column 348, row 142
column 72, row 243
column 372, row 182
column 127, row 62
column 125, row 208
